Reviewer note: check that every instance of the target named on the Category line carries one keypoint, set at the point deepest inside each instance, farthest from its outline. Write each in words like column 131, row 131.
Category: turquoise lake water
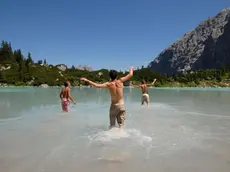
column 183, row 130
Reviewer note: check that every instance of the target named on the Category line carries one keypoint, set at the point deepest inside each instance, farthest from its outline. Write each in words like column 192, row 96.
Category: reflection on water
column 181, row 130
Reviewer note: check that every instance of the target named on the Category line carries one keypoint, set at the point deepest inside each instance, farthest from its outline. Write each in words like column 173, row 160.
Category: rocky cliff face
column 80, row 67
column 61, row 67
column 207, row 46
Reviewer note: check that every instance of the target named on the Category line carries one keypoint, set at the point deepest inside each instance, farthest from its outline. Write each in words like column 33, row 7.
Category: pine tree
column 6, row 53
column 18, row 56
column 40, row 62
column 29, row 60
column 21, row 64
column 1, row 77
column 28, row 63
column 45, row 63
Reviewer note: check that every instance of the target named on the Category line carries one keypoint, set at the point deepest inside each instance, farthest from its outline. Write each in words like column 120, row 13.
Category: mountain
column 205, row 47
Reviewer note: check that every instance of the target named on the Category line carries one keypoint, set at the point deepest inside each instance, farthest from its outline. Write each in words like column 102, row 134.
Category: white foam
column 133, row 135
column 110, row 135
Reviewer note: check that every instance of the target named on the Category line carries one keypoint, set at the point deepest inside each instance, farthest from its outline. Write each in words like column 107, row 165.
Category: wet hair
column 143, row 82
column 113, row 74
column 66, row 83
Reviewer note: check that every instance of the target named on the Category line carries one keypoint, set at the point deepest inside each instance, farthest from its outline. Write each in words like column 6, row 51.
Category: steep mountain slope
column 207, row 46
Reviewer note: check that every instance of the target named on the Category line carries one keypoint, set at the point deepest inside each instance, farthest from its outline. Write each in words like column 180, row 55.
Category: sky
column 112, row 34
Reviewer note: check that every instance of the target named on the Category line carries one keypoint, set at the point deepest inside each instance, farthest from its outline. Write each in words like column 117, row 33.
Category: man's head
column 143, row 82
column 113, row 74
column 66, row 83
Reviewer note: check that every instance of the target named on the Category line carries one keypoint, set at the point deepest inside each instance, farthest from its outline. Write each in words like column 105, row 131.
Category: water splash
column 117, row 134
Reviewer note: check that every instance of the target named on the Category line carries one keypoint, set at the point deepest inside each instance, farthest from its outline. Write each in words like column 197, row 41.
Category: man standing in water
column 144, row 88
column 65, row 96
column 115, row 86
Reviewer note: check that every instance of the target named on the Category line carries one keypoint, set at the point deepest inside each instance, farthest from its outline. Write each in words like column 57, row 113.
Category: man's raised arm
column 127, row 77
column 138, row 86
column 104, row 85
column 149, row 85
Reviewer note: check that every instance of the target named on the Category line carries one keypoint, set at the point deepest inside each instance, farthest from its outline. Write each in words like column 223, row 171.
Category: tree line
column 17, row 69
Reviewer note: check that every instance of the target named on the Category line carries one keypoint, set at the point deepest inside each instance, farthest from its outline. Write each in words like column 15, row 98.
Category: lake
column 182, row 130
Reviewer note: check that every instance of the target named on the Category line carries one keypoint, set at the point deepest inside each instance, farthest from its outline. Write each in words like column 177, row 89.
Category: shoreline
column 158, row 85
column 161, row 87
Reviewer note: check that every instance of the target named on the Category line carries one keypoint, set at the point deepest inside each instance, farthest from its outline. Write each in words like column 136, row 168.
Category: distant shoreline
column 161, row 87
column 201, row 84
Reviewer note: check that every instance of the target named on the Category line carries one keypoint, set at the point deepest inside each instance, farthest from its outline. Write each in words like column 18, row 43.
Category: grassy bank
column 19, row 70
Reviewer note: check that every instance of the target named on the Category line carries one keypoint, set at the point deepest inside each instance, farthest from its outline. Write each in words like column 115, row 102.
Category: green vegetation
column 18, row 70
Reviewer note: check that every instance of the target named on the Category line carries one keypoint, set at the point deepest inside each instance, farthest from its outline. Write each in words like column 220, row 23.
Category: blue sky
column 100, row 33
